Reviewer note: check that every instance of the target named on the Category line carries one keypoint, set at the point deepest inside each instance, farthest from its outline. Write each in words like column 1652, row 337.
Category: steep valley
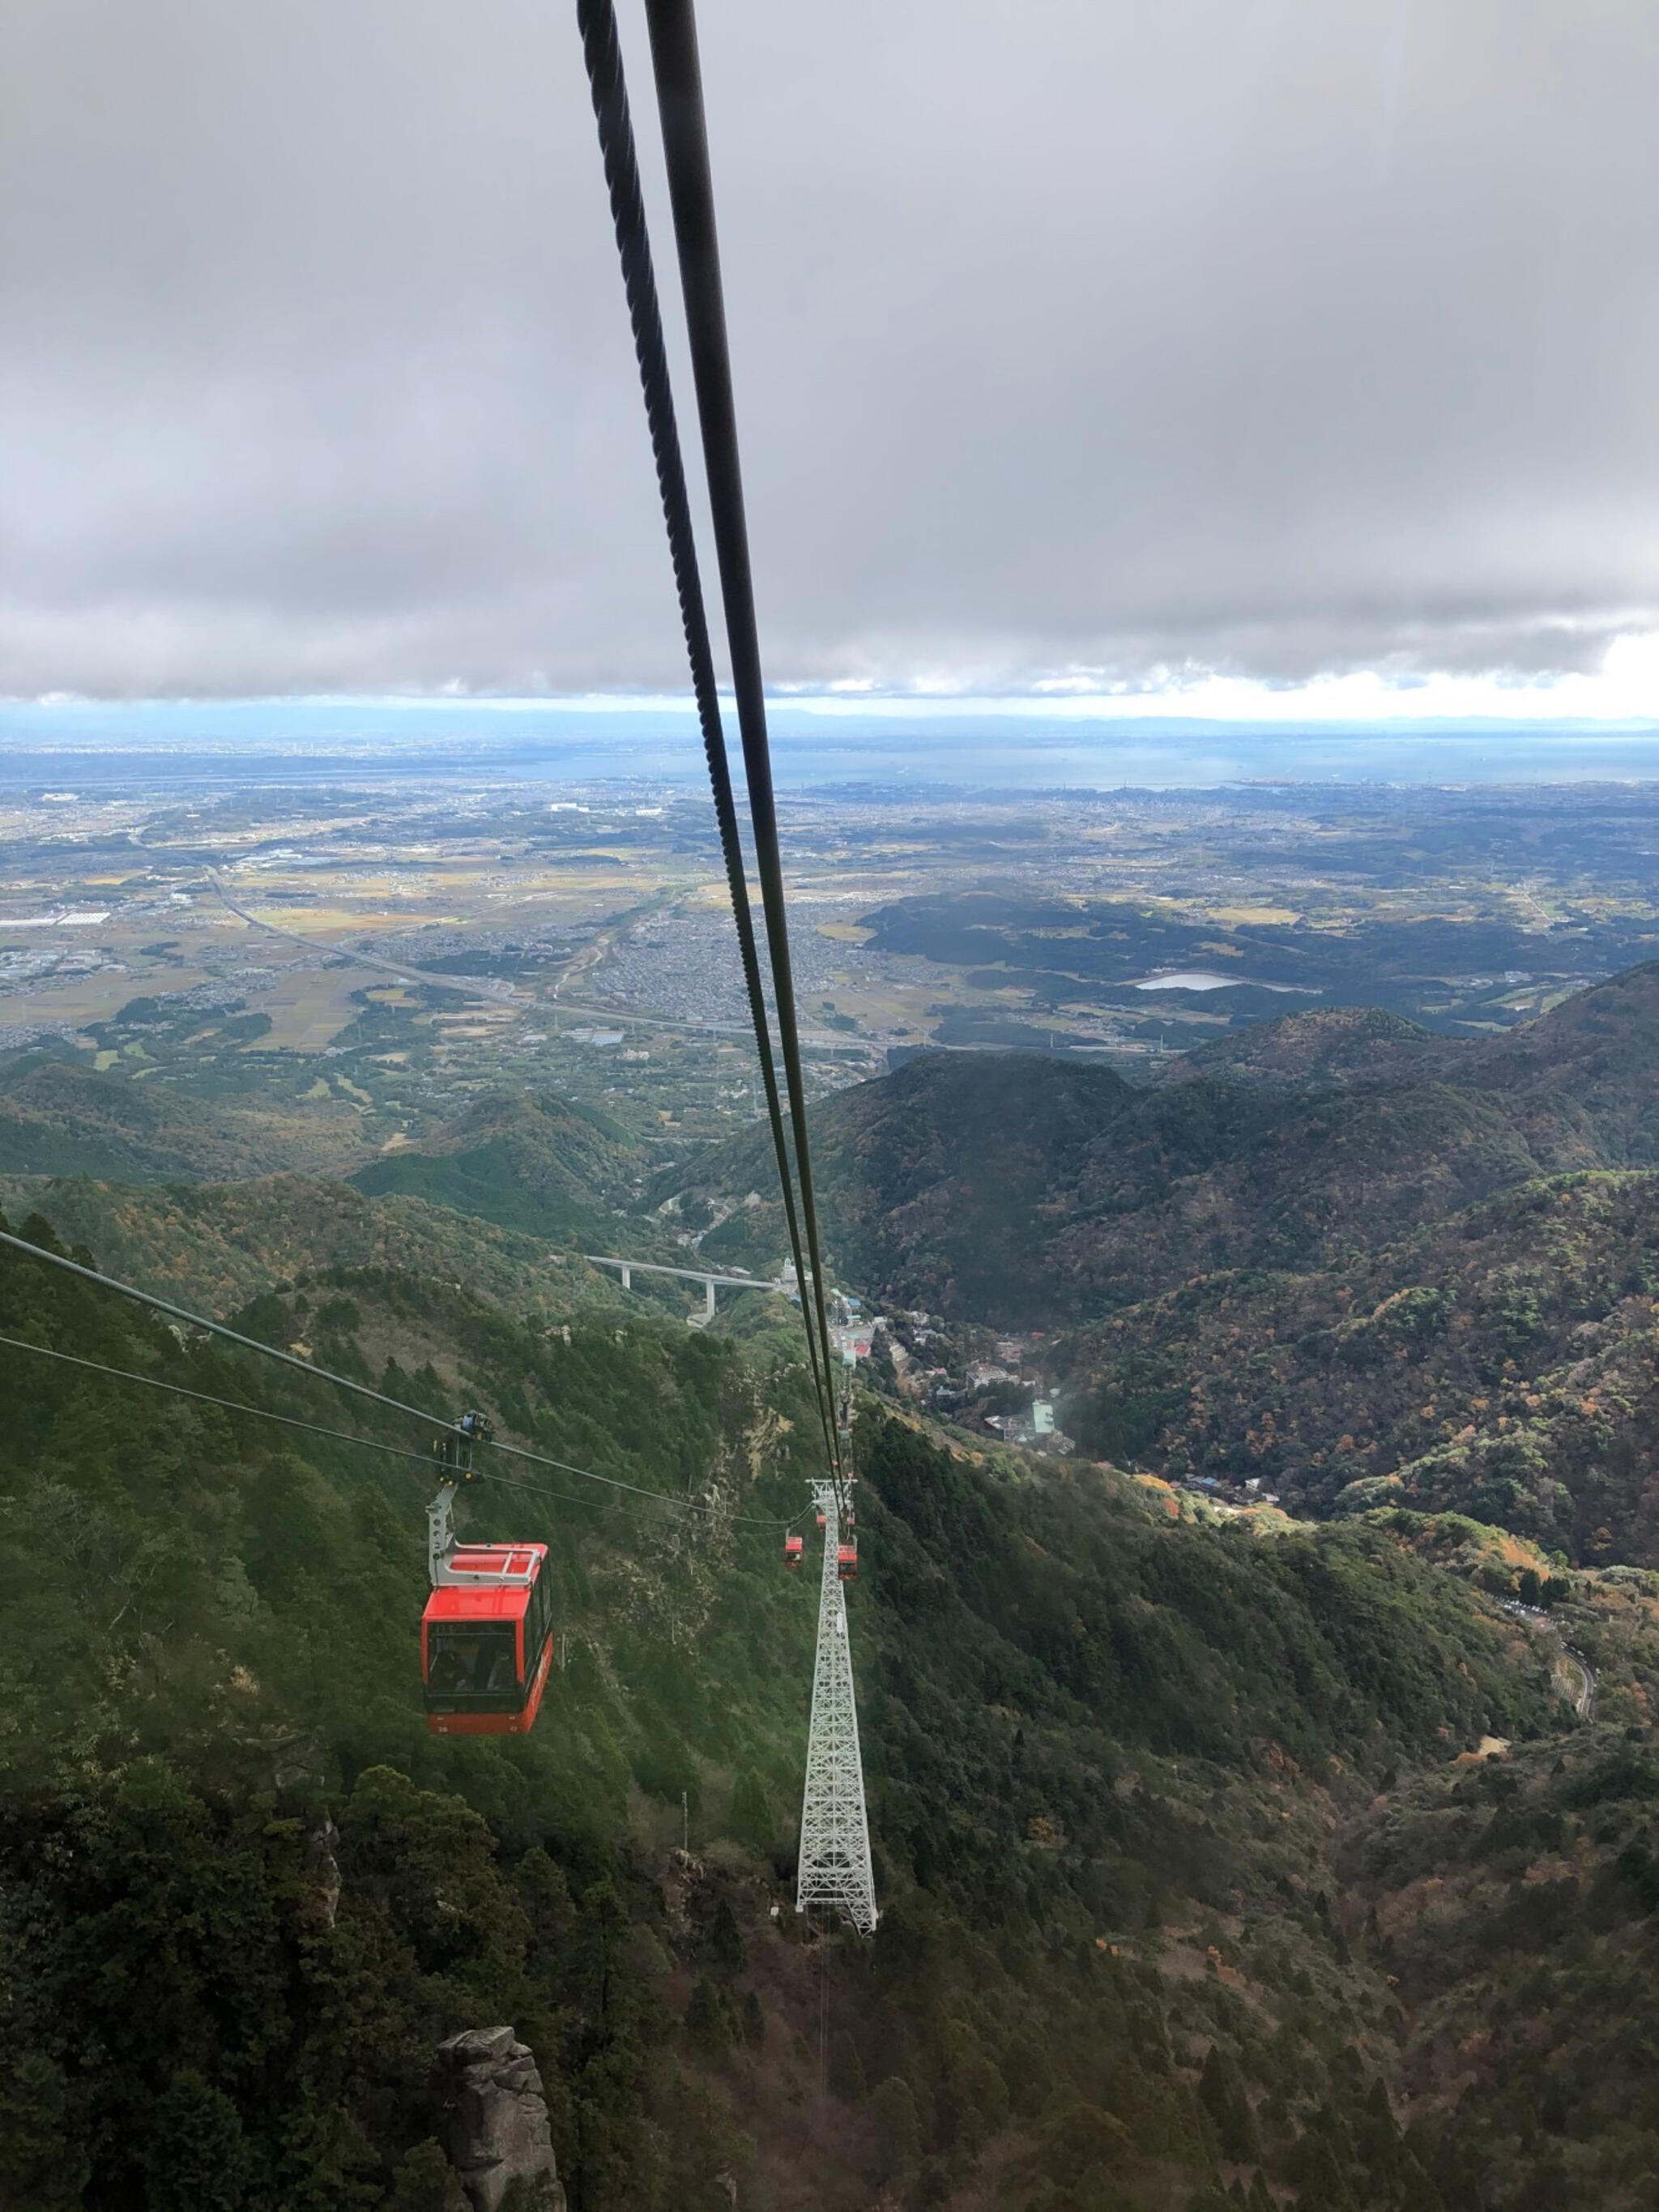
column 1022, row 1191
column 1148, row 1797
column 1337, row 1259
column 1227, row 1855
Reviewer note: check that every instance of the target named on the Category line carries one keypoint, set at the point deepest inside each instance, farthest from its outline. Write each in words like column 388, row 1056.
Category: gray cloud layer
column 1283, row 335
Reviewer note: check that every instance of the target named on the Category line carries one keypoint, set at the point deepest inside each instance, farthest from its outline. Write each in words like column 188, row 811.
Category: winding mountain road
column 1583, row 1703
column 1573, row 1674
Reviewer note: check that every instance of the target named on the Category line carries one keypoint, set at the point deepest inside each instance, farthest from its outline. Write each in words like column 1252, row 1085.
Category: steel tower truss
column 834, row 1832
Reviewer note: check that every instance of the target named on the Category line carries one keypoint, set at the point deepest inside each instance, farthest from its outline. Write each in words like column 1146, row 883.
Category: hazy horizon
column 1019, row 746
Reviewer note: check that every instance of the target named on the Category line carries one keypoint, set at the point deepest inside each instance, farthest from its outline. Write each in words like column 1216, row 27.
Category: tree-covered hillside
column 213, row 1246
column 59, row 1116
column 1498, row 1363
column 1111, row 1758
column 529, row 1161
column 1337, row 1257
column 1027, row 1192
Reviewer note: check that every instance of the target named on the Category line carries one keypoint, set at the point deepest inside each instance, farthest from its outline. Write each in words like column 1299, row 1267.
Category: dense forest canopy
column 1223, row 1858
column 246, row 1894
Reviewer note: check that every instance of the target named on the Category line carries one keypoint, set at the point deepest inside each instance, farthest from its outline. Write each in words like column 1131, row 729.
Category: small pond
column 1201, row 979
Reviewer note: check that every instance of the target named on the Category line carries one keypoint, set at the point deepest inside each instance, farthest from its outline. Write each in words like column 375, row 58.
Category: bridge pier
column 710, row 1278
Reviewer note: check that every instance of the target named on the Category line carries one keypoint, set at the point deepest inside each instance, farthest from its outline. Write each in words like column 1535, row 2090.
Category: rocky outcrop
column 492, row 2120
column 321, row 1900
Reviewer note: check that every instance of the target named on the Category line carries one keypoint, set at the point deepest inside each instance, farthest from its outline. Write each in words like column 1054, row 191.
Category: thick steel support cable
column 602, row 51
column 674, row 29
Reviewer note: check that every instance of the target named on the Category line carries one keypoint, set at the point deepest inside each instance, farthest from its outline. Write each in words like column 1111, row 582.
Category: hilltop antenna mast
column 835, row 1831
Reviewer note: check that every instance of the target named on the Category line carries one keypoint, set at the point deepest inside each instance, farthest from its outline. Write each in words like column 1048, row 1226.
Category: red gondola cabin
column 846, row 1561
column 793, row 1548
column 487, row 1641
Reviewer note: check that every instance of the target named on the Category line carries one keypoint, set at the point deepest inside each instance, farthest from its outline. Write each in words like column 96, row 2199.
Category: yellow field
column 306, row 1011
column 93, row 998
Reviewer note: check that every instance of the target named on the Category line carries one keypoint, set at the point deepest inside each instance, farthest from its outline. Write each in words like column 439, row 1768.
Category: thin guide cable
column 345, row 1383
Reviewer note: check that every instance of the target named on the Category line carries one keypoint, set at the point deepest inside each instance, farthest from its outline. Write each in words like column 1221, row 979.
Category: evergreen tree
column 845, row 2069
column 1221, row 2092
column 1322, row 2186
column 726, row 1951
column 198, row 2158
column 895, row 2129
column 1079, row 2138
column 708, row 2018
column 753, row 1820
column 423, row 2181
column 1376, row 2134
column 43, row 2163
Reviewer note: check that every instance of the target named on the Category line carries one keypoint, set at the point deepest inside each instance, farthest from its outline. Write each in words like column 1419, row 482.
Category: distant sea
column 105, row 746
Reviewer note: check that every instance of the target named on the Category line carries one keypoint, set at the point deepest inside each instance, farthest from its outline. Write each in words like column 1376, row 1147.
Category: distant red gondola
column 793, row 1548
column 846, row 1561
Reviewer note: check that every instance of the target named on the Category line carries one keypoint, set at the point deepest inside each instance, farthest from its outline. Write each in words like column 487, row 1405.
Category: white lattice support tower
column 834, row 1832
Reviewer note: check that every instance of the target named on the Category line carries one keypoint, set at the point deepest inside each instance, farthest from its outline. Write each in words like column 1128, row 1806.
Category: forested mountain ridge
column 60, row 1116
column 1594, row 1050
column 1499, row 1364
column 1022, row 1191
column 1334, row 1045
column 1110, row 1759
column 526, row 1159
column 213, row 1246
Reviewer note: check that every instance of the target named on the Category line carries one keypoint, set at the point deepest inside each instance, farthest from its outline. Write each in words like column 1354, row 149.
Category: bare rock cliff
column 492, row 2120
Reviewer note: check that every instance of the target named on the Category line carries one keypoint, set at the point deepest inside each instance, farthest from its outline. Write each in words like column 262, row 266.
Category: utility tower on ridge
column 834, row 1833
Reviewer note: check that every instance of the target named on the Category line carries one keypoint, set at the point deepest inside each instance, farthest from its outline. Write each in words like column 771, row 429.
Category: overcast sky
column 1074, row 339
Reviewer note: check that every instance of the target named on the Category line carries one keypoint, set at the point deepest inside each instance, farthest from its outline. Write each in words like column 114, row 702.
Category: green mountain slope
column 1355, row 1289
column 1022, row 1191
column 528, row 1161
column 1496, row 1363
column 213, row 1246
column 1512, row 1906
column 931, row 1179
column 1307, row 1051
column 1588, row 1060
column 1111, row 1758
column 58, row 1116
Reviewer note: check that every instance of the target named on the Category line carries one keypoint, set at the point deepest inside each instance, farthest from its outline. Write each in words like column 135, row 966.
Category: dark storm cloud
column 1274, row 335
